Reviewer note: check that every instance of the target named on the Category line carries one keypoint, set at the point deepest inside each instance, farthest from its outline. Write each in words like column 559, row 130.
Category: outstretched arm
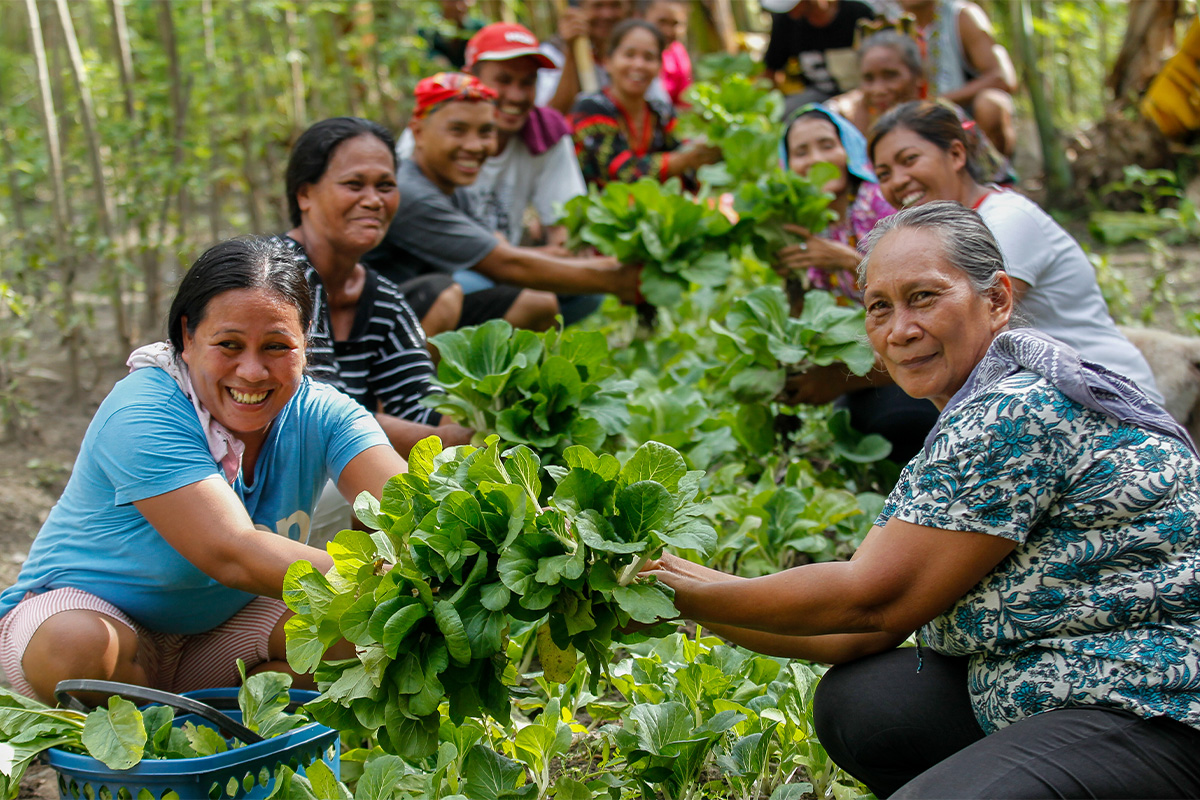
column 535, row 268
column 209, row 526
column 902, row 576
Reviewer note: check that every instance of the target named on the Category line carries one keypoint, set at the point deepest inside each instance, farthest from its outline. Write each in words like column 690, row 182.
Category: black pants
column 906, row 733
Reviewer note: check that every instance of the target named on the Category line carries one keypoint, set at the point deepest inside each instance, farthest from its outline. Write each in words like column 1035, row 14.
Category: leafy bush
column 476, row 540
column 781, row 196
column 548, row 391
column 676, row 240
column 741, row 116
column 760, row 343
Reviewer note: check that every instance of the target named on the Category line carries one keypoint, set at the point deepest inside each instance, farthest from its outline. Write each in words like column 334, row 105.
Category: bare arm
column 209, row 526
column 821, row 385
column 831, row 649
column 985, row 56
column 403, row 433
column 536, row 269
column 902, row 576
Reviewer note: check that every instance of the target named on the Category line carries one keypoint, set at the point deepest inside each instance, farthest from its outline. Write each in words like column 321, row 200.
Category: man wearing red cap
column 534, row 164
column 437, row 229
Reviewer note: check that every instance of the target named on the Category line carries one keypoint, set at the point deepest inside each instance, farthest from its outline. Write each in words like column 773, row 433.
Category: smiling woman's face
column 924, row 318
column 354, row 200
column 246, row 359
column 635, row 62
column 913, row 171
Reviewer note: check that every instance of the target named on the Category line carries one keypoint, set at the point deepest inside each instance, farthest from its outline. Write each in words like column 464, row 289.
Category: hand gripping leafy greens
column 760, row 344
column 741, row 116
column 548, row 390
column 782, row 196
column 476, row 538
column 676, row 240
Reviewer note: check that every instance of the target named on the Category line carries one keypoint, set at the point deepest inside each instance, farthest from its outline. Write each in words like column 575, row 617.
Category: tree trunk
column 104, row 207
column 124, row 58
column 295, row 58
column 166, row 28
column 214, row 122
column 247, row 99
column 1149, row 40
column 58, row 183
column 1054, row 159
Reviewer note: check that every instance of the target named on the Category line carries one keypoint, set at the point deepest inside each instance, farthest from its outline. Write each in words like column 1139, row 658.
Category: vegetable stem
column 630, row 572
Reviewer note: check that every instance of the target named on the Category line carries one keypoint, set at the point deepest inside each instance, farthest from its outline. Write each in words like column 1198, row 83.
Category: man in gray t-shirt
column 454, row 131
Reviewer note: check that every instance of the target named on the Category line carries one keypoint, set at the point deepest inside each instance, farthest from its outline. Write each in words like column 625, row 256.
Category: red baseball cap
column 502, row 41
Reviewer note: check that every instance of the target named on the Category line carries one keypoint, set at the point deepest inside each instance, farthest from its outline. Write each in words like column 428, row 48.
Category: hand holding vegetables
column 812, row 252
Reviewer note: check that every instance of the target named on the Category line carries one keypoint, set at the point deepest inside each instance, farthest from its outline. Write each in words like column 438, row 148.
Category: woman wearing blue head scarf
column 814, row 134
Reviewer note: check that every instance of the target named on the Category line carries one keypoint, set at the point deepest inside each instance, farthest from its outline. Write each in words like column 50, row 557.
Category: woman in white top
column 921, row 154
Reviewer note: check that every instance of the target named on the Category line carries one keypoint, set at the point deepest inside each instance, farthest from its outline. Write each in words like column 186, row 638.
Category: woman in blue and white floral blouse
column 1044, row 545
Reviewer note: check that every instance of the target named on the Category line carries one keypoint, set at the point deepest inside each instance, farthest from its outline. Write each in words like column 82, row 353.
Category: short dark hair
column 623, row 28
column 935, row 123
column 312, row 151
column 249, row 262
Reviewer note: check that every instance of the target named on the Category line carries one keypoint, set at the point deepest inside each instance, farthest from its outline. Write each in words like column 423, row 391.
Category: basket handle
column 224, row 723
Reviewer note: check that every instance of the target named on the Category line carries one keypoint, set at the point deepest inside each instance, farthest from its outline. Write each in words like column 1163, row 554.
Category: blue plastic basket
column 245, row 772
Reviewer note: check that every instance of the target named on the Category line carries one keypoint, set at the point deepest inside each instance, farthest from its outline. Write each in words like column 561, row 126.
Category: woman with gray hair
column 1043, row 546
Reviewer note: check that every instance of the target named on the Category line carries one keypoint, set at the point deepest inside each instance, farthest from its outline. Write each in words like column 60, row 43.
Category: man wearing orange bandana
column 454, row 131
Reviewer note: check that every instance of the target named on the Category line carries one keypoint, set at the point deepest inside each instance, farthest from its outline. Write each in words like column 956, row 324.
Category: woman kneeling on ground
column 162, row 563
column 1044, row 545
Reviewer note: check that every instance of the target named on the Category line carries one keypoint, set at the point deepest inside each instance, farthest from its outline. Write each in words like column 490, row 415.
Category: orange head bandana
column 447, row 87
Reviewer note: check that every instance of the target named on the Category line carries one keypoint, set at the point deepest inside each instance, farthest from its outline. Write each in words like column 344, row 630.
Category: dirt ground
column 35, row 463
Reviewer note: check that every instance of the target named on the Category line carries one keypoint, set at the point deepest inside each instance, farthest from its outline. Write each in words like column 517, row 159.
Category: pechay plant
column 781, row 196
column 477, row 539
column 741, row 116
column 549, row 390
column 761, row 344
column 676, row 240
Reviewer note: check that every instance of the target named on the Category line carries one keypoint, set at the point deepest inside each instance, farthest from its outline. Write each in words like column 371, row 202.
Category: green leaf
column 451, row 626
column 655, row 462
column 491, row 776
column 205, row 741
column 380, row 777
column 643, row 507
column 646, row 603
column 263, row 699
column 115, row 736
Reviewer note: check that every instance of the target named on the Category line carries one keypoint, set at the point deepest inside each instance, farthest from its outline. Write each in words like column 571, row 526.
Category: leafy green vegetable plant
column 548, row 390
column 760, row 343
column 677, row 241
column 473, row 544
column 779, row 196
column 741, row 116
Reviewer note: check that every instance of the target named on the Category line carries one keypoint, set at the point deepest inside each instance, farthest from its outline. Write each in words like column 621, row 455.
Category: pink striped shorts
column 173, row 662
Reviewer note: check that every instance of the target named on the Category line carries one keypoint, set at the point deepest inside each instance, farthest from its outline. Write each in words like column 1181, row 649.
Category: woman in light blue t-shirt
column 163, row 561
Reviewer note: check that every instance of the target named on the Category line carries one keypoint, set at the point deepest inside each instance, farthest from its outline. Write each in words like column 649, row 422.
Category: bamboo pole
column 1054, row 160
column 61, row 215
column 585, row 65
column 104, row 205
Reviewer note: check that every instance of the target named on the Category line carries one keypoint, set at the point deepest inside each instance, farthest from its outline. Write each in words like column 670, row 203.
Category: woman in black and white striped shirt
column 365, row 338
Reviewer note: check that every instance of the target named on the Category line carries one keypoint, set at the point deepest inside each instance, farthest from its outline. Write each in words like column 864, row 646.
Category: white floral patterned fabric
column 1099, row 604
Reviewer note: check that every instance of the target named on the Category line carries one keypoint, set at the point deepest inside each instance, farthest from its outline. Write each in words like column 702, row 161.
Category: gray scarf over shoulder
column 1088, row 384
